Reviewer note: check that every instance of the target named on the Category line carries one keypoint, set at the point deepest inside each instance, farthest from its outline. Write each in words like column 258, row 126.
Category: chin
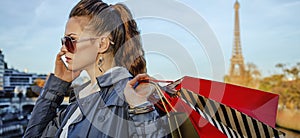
column 71, row 68
column 75, row 68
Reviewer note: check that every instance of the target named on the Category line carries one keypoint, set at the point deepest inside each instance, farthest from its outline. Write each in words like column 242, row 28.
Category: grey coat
column 103, row 114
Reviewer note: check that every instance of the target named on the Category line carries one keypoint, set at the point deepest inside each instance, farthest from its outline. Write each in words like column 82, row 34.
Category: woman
column 104, row 41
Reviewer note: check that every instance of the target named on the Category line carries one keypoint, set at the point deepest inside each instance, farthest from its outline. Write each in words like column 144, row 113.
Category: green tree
column 253, row 75
column 286, row 84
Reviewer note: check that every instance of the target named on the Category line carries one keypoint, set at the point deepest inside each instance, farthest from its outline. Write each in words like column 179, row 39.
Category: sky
column 184, row 37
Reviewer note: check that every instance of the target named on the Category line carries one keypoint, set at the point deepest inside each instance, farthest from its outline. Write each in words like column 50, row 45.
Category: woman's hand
column 140, row 94
column 61, row 70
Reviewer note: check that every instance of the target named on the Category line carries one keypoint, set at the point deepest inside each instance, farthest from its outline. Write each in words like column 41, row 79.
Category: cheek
column 85, row 56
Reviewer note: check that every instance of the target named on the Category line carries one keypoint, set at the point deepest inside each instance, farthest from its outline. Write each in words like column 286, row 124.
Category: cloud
column 292, row 4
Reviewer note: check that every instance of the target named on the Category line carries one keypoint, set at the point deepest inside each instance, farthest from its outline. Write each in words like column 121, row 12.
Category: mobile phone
column 64, row 60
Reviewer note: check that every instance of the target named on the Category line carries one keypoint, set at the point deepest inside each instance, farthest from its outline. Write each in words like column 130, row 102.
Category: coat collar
column 109, row 78
column 116, row 75
column 112, row 76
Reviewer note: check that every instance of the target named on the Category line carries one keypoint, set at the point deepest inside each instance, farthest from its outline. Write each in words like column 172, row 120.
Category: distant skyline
column 270, row 33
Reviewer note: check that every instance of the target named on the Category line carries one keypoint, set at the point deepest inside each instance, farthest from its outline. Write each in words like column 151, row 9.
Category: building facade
column 10, row 78
column 14, row 78
column 2, row 63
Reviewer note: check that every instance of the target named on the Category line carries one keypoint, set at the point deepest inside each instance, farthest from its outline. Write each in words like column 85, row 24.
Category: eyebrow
column 70, row 34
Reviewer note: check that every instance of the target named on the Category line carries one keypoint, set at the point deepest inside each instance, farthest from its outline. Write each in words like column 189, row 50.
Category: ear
column 103, row 45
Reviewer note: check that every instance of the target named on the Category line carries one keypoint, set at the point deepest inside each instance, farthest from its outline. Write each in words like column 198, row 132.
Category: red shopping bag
column 201, row 125
column 255, row 103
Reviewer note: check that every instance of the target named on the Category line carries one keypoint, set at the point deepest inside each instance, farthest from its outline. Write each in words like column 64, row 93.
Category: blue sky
column 270, row 33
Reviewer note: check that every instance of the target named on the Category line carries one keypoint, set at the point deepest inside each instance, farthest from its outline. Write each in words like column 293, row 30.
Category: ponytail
column 131, row 54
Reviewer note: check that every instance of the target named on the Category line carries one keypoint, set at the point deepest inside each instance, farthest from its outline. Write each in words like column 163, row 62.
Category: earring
column 100, row 63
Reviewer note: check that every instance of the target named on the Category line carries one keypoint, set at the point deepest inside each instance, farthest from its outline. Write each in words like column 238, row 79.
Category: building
column 14, row 78
column 2, row 63
column 11, row 78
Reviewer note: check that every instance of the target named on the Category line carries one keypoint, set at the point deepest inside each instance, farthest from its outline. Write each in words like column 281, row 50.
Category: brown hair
column 116, row 20
column 87, row 8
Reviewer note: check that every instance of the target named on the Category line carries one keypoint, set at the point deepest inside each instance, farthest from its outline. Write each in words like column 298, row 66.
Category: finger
column 58, row 57
column 138, row 78
column 152, row 78
column 60, row 54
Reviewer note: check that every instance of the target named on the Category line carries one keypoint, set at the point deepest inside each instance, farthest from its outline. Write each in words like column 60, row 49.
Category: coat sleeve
column 150, row 124
column 44, row 111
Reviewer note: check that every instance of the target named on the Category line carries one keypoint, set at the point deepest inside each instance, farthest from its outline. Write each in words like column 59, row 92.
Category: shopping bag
column 255, row 111
column 171, row 102
column 179, row 124
column 255, row 103
column 227, row 120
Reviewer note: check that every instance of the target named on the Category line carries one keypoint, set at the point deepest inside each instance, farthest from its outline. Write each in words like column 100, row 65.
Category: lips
column 68, row 59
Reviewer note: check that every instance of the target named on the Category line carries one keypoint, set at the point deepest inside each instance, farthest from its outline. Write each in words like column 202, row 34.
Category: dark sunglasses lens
column 69, row 44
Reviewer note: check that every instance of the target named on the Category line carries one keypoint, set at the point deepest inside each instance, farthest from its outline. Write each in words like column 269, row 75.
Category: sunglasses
column 70, row 43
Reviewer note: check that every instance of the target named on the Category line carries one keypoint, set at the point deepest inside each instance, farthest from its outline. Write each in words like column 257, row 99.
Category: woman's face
column 86, row 51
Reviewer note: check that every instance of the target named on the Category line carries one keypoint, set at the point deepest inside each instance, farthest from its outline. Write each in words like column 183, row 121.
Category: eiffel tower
column 237, row 72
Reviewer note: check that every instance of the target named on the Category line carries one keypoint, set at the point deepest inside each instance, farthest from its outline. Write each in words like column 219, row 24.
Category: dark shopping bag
column 179, row 124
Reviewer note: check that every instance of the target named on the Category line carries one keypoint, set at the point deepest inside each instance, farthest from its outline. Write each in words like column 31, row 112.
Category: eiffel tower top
column 237, row 49
column 236, row 5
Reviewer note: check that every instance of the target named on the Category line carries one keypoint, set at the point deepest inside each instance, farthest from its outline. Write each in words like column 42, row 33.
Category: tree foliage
column 286, row 84
column 253, row 75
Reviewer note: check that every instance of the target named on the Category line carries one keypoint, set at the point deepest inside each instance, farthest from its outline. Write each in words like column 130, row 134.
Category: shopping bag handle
column 164, row 102
column 156, row 81
column 151, row 80
column 161, row 95
column 158, row 90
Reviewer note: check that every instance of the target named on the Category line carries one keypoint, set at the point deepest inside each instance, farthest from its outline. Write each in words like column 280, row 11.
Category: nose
column 63, row 48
